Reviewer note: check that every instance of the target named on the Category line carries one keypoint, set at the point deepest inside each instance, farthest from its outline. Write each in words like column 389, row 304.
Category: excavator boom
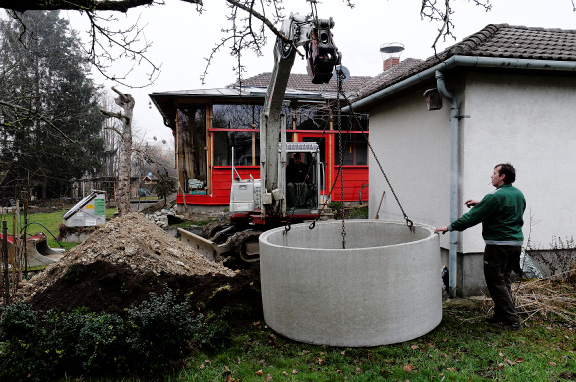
column 260, row 204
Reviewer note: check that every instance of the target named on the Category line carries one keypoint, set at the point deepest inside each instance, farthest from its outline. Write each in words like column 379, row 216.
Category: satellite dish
column 345, row 72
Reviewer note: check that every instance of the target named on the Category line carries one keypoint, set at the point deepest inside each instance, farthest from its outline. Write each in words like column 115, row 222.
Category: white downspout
column 454, row 171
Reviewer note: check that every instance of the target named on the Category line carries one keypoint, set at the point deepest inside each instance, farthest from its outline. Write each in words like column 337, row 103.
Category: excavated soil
column 125, row 260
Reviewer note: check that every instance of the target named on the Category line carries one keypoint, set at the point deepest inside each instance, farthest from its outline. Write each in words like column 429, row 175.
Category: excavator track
column 211, row 229
column 245, row 245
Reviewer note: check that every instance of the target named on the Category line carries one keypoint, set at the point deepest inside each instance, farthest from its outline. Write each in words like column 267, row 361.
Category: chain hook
column 410, row 224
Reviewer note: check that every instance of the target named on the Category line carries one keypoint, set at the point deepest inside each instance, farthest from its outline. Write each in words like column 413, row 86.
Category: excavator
column 257, row 205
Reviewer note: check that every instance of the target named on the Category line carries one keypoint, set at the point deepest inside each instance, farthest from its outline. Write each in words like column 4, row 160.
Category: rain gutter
column 437, row 71
column 469, row 61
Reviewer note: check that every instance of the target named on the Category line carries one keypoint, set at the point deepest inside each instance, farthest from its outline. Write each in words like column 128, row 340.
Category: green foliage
column 165, row 186
column 51, row 120
column 19, row 334
column 157, row 334
column 19, row 323
column 351, row 211
column 215, row 335
column 161, row 330
column 102, row 344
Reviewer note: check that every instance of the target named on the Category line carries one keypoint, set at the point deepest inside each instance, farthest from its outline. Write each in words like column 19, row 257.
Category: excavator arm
column 322, row 55
column 238, row 237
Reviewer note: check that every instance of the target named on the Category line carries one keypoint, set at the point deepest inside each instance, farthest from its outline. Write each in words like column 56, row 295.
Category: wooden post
column 5, row 262
column 379, row 205
column 210, row 147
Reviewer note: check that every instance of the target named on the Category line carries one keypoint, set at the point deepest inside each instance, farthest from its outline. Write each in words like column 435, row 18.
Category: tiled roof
column 303, row 82
column 495, row 40
column 395, row 71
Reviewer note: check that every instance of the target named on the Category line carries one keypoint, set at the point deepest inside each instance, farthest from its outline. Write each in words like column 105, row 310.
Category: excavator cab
column 302, row 174
column 301, row 181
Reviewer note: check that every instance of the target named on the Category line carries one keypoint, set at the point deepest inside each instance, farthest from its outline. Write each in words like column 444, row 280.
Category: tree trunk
column 126, row 102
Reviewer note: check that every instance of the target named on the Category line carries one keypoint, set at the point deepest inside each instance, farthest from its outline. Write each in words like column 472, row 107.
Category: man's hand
column 471, row 203
column 441, row 229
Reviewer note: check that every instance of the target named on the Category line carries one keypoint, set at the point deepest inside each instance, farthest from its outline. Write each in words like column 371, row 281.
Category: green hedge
column 156, row 336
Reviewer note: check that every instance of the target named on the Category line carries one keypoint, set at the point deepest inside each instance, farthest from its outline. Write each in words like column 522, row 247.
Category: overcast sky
column 182, row 39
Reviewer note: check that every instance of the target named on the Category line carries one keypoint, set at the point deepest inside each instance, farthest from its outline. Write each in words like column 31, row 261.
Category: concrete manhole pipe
column 384, row 288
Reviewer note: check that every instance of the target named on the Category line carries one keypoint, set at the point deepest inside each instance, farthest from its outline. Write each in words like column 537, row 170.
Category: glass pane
column 354, row 150
column 224, row 141
column 321, row 145
column 221, row 149
column 301, row 187
column 236, row 116
column 192, row 118
column 309, row 118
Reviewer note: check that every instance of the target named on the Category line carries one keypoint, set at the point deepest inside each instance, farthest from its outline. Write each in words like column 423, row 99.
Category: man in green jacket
column 501, row 214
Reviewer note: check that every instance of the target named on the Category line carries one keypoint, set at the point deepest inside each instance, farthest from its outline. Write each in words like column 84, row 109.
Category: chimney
column 390, row 62
column 391, row 54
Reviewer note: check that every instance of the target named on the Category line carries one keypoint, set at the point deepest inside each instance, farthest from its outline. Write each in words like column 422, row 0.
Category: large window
column 246, row 148
column 354, row 150
column 227, row 121
column 192, row 142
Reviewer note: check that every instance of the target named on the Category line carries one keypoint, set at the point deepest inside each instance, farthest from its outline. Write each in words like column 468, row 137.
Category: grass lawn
column 461, row 348
column 47, row 223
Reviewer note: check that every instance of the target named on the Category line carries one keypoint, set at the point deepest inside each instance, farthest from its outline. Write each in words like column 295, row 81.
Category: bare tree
column 126, row 102
column 244, row 27
column 444, row 15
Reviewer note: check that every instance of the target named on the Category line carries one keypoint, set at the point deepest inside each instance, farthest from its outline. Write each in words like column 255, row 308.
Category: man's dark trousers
column 498, row 263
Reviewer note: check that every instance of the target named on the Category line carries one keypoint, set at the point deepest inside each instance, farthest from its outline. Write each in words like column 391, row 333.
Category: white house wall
column 528, row 121
column 413, row 146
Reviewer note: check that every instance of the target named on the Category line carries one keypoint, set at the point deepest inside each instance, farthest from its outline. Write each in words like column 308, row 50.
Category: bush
column 102, row 344
column 215, row 335
column 19, row 337
column 157, row 334
column 162, row 331
column 60, row 343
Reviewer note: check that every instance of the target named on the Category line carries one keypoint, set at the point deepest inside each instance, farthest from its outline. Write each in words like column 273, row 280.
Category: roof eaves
column 493, row 41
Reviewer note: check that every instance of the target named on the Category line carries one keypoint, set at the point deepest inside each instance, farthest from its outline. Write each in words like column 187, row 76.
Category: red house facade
column 215, row 128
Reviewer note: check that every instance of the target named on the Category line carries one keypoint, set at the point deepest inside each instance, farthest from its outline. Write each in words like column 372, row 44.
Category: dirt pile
column 126, row 259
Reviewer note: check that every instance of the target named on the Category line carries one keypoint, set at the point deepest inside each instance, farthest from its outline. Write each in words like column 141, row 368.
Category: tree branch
column 35, row 115
column 80, row 5
column 430, row 10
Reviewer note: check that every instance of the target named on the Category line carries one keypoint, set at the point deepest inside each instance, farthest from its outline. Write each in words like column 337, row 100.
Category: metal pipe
column 454, row 171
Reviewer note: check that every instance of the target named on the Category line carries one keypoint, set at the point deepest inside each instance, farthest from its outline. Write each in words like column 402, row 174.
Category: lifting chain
column 409, row 222
column 291, row 216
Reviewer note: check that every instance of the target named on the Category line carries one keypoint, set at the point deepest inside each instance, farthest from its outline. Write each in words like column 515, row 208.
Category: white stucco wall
column 527, row 120
column 412, row 145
